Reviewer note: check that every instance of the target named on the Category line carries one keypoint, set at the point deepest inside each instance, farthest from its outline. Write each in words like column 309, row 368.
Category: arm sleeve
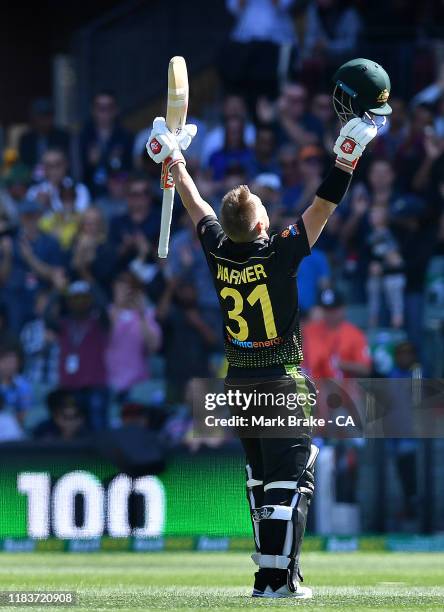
column 292, row 245
column 210, row 233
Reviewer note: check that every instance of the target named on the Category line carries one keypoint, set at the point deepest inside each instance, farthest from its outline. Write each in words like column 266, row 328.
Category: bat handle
column 165, row 222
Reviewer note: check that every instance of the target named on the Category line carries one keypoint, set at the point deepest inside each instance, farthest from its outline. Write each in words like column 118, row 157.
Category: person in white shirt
column 47, row 193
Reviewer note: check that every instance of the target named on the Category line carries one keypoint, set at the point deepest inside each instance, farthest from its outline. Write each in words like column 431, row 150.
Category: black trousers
column 275, row 459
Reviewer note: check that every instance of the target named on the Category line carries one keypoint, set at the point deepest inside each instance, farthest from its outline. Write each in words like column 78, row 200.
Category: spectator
column 265, row 160
column 14, row 387
column 296, row 123
column 386, row 270
column 63, row 224
column 42, row 135
column 66, row 420
column 51, row 191
column 234, row 151
column 290, row 173
column 313, row 276
column 29, row 260
column 391, row 141
column 267, row 187
column 10, row 428
column 113, row 203
column 104, row 144
column 331, row 35
column 40, row 347
column 134, row 336
column 13, row 191
column 82, row 330
column 184, row 326
column 233, row 107
column 322, row 109
column 187, row 265
column 250, row 62
column 92, row 256
column 333, row 347
column 138, row 229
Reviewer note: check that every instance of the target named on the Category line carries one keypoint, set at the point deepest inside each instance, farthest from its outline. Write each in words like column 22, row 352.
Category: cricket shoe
column 274, row 585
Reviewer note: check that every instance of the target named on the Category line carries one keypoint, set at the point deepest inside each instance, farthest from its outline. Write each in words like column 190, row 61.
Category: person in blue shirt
column 313, row 275
column 29, row 260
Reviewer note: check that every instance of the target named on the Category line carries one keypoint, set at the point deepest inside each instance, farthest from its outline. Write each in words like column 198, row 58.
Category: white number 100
column 58, row 506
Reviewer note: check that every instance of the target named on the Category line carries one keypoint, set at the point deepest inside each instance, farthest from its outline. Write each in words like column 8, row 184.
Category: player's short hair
column 238, row 214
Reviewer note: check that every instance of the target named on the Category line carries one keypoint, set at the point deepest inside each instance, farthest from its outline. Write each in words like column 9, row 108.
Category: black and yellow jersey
column 257, row 291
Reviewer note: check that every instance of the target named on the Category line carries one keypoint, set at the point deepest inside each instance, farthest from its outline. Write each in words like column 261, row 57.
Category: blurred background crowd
column 95, row 330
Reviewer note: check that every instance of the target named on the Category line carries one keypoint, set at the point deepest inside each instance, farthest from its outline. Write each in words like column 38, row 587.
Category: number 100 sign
column 53, row 507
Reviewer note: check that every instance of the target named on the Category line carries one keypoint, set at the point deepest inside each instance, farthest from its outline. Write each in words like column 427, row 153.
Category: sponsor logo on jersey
column 291, row 229
column 348, row 146
column 252, row 344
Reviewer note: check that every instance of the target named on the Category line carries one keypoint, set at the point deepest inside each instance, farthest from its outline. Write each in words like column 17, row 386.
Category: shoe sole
column 306, row 594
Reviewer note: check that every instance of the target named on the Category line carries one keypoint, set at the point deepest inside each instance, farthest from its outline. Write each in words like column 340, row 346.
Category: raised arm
column 196, row 206
column 165, row 147
column 349, row 146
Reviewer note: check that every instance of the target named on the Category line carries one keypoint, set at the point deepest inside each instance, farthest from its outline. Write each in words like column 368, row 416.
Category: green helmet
column 362, row 86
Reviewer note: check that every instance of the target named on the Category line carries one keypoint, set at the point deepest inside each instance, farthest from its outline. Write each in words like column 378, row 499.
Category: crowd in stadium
column 88, row 312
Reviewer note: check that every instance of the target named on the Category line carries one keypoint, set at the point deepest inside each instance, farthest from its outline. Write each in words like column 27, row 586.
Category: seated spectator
column 92, row 256
column 41, row 136
column 296, row 124
column 113, row 203
column 313, row 276
column 264, row 152
column 29, row 261
column 104, row 144
column 48, row 193
column 66, row 420
column 322, row 109
column 187, row 264
column 390, row 142
column 40, row 347
column 14, row 186
column 134, row 336
column 386, row 270
column 14, row 386
column 138, row 229
column 290, row 174
column 333, row 347
column 233, row 106
column 267, row 187
column 63, row 224
column 184, row 326
column 10, row 428
column 82, row 329
column 234, row 151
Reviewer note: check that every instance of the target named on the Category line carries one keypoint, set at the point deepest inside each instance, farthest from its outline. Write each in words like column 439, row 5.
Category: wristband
column 335, row 185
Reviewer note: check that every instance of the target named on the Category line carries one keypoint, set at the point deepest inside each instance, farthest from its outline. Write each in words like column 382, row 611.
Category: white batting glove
column 352, row 140
column 164, row 146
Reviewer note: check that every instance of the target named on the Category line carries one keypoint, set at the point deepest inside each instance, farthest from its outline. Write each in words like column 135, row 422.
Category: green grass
column 222, row 581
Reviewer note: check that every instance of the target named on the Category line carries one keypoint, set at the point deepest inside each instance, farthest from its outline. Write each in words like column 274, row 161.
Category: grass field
column 222, row 581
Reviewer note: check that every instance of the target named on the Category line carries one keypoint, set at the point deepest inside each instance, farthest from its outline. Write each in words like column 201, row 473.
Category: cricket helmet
column 361, row 86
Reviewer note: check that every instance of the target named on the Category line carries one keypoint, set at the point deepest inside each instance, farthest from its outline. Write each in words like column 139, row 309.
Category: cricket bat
column 177, row 106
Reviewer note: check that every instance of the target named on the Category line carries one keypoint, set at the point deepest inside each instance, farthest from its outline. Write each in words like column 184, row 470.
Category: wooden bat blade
column 176, row 116
column 177, row 104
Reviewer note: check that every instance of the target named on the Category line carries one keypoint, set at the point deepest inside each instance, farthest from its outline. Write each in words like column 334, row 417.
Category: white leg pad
column 271, row 561
column 280, row 513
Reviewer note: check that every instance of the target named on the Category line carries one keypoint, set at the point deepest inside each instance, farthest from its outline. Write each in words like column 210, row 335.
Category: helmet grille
column 345, row 106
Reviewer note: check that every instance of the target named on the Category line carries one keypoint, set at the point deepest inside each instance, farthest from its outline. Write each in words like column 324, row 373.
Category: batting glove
column 164, row 146
column 352, row 140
